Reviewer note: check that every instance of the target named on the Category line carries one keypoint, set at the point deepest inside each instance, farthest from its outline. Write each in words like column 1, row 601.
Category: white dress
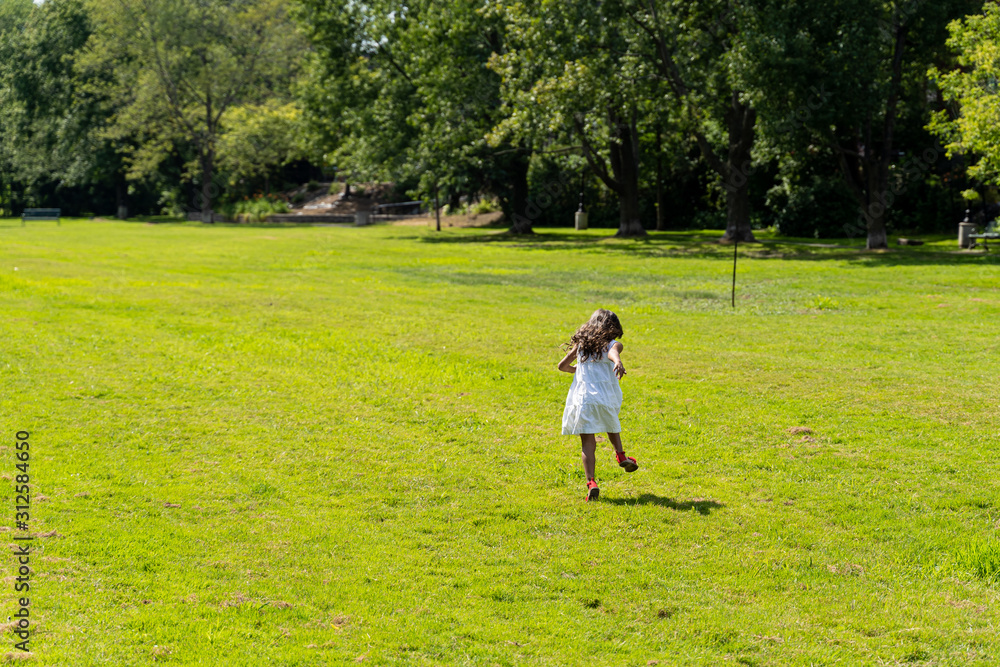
column 594, row 398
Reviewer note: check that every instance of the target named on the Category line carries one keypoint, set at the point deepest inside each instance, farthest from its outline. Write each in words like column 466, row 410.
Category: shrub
column 484, row 206
column 476, row 208
column 258, row 207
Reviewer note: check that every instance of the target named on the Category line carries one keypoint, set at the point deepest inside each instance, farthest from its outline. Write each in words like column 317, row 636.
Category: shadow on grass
column 663, row 244
column 699, row 245
column 700, row 506
column 165, row 221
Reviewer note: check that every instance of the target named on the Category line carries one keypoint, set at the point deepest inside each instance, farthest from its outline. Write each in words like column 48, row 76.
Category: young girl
column 595, row 398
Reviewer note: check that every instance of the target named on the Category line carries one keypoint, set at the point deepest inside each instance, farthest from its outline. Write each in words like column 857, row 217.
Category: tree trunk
column 865, row 166
column 877, row 239
column 738, row 217
column 741, row 120
column 625, row 166
column 511, row 188
column 437, row 209
column 867, row 177
column 520, row 220
column 880, row 199
column 121, row 196
column 738, row 169
column 661, row 204
column 878, row 166
column 630, row 222
column 207, row 160
column 207, row 169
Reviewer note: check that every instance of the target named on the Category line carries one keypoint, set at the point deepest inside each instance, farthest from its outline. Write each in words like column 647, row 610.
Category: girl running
column 595, row 398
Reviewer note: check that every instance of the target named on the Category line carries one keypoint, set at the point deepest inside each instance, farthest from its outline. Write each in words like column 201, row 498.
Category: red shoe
column 627, row 462
column 592, row 490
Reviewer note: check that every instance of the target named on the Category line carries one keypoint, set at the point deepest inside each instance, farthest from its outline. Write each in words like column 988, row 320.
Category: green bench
column 989, row 234
column 41, row 214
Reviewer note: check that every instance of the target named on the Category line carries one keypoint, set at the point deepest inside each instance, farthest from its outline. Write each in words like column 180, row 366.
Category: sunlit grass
column 276, row 445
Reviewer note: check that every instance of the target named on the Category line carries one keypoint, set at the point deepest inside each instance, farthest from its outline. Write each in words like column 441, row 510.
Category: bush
column 472, row 208
column 484, row 206
column 312, row 185
column 257, row 208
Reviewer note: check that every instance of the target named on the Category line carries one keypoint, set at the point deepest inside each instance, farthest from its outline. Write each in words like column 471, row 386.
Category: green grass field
column 331, row 445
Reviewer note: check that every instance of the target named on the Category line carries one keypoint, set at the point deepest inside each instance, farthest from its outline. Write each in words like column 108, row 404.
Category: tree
column 50, row 111
column 401, row 92
column 568, row 78
column 596, row 67
column 975, row 89
column 694, row 48
column 180, row 65
column 844, row 75
column 14, row 16
column 257, row 139
column 355, row 107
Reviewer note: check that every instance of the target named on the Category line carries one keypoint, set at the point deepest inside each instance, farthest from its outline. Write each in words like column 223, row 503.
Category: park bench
column 41, row 214
column 990, row 234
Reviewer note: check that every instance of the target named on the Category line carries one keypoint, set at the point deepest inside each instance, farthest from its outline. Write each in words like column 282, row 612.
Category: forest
column 843, row 118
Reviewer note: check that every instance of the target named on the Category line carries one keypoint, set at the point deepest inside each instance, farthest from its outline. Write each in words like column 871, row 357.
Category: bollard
column 362, row 218
column 965, row 230
column 581, row 220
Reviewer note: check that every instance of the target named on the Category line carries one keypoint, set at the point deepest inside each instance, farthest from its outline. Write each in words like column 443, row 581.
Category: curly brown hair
column 592, row 338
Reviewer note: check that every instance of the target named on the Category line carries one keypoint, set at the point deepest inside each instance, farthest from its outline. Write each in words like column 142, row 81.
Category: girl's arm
column 565, row 366
column 614, row 354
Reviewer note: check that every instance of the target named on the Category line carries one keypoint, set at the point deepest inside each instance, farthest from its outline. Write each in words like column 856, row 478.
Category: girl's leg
column 589, row 445
column 627, row 462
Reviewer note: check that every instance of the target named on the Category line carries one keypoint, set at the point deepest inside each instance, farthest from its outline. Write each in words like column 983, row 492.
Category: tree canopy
column 973, row 91
column 819, row 119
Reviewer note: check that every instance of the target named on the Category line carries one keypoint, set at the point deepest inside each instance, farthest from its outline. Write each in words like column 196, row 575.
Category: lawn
column 337, row 445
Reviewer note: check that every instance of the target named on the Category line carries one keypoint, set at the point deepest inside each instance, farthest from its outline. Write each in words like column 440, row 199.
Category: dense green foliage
column 50, row 116
column 299, row 446
column 107, row 103
column 975, row 89
column 402, row 93
column 811, row 117
column 179, row 66
column 848, row 80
